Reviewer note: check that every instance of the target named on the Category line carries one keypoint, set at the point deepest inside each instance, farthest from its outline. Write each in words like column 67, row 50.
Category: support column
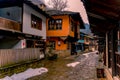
column 106, row 49
column 113, row 37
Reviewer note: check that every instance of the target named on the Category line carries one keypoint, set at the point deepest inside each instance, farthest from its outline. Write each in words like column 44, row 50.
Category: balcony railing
column 7, row 24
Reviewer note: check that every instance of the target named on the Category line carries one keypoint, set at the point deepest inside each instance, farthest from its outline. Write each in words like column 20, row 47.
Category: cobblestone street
column 58, row 70
column 86, row 70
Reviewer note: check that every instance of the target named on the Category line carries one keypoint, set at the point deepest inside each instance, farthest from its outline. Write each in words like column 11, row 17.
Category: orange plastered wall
column 57, row 47
column 65, row 27
column 71, row 34
column 62, row 46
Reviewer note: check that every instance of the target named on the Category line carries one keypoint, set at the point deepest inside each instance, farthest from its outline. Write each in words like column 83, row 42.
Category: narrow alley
column 85, row 69
column 59, row 40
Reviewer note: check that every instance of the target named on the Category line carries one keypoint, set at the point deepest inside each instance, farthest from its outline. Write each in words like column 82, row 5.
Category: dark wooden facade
column 104, row 18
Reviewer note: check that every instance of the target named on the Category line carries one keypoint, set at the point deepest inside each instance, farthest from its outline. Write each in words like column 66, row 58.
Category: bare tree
column 58, row 4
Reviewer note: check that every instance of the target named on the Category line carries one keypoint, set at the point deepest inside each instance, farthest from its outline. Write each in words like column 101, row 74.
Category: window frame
column 52, row 44
column 51, row 23
column 56, row 24
column 36, row 22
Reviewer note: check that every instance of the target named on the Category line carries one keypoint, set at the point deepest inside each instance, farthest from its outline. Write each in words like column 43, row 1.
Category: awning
column 80, row 41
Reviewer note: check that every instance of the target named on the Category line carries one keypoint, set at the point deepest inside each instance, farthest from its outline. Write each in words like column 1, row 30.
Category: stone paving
column 57, row 70
column 86, row 70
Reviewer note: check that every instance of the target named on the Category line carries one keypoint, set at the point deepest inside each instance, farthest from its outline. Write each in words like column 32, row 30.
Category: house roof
column 10, row 3
column 74, row 15
column 37, row 8
column 58, row 12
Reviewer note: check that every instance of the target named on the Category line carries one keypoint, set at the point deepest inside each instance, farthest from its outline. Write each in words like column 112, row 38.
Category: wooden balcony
column 7, row 24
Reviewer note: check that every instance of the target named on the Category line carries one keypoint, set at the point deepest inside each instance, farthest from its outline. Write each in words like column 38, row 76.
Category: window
column 51, row 25
column 68, row 45
column 55, row 24
column 72, row 26
column 52, row 44
column 36, row 22
column 58, row 24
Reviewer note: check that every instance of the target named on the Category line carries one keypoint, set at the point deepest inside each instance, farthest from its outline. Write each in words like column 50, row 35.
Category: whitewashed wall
column 20, row 44
column 27, row 11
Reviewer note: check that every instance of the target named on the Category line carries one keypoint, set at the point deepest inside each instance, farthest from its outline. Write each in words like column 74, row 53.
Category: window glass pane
column 36, row 22
column 55, row 24
column 59, row 24
column 51, row 25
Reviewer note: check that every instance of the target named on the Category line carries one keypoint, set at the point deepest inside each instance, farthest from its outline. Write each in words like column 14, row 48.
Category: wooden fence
column 12, row 56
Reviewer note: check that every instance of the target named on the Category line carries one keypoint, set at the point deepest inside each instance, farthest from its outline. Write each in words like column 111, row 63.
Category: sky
column 76, row 6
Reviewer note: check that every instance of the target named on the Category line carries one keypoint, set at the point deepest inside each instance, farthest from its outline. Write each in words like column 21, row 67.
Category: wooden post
column 113, row 44
column 107, row 50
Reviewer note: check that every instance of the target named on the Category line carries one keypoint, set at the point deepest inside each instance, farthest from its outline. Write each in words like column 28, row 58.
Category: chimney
column 42, row 6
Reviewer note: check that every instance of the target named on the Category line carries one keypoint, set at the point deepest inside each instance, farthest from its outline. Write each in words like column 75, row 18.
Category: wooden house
column 63, row 31
column 104, row 18
column 22, row 31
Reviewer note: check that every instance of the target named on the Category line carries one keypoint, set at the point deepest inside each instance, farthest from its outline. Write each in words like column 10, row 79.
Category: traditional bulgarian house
column 87, row 39
column 86, row 42
column 22, row 31
column 93, row 43
column 63, row 31
column 81, row 42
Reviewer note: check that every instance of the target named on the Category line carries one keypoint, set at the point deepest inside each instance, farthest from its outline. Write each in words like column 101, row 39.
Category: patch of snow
column 6, row 78
column 72, row 64
column 116, row 78
column 96, row 51
column 42, row 56
column 26, row 74
column 86, row 55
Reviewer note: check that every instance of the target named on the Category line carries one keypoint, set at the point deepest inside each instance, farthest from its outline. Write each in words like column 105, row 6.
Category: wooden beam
column 104, row 8
column 106, row 13
column 112, row 5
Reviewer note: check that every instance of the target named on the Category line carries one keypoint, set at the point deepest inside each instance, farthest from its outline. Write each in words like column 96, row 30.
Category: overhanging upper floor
column 103, row 15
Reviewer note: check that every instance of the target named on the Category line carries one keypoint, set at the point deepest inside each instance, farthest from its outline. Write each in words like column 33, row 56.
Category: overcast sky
column 76, row 6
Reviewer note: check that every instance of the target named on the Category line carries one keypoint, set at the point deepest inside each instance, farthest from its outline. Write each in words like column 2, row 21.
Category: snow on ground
column 116, row 78
column 72, row 64
column 26, row 74
column 77, row 62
